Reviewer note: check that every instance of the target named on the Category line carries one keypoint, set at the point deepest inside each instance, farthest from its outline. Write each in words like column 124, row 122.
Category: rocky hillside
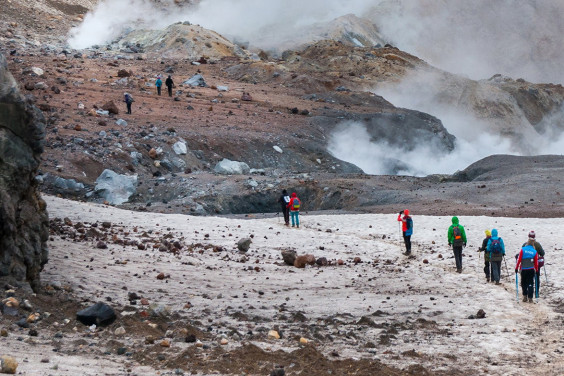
column 24, row 227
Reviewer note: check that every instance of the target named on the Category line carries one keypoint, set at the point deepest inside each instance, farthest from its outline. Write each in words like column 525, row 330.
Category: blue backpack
column 496, row 246
column 409, row 226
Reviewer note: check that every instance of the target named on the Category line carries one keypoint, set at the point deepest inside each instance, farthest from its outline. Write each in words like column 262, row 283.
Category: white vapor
column 352, row 143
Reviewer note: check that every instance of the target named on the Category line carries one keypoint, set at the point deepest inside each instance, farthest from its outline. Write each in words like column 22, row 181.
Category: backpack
column 408, row 226
column 286, row 200
column 296, row 204
column 495, row 246
column 457, row 234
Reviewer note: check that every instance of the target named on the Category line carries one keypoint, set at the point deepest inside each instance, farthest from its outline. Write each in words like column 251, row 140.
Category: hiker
column 457, row 238
column 284, row 200
column 496, row 249
column 528, row 263
column 487, row 265
column 159, row 84
column 128, row 99
column 540, row 251
column 407, row 229
column 169, row 84
column 294, row 206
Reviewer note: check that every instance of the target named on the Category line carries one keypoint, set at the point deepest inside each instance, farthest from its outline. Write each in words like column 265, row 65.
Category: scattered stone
column 246, row 97
column 481, row 314
column 278, row 149
column 303, row 260
column 121, row 123
column 8, row 365
column 322, row 261
column 425, row 261
column 273, row 334
column 115, row 188
column 303, row 341
column 279, row 371
column 124, row 73
column 161, row 276
column 357, row 260
column 149, row 340
column 121, row 350
column 119, row 331
column 111, row 107
column 180, row 148
column 165, row 343
column 190, row 338
column 33, row 333
column 3, row 333
column 224, row 341
column 289, row 257
column 101, row 245
column 244, row 244
column 340, row 262
column 99, row 314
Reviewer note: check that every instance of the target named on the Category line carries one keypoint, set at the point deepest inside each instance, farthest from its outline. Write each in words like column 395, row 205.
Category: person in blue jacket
column 496, row 250
column 159, row 84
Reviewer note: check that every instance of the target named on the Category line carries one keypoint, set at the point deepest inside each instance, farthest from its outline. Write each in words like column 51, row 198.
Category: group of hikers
column 529, row 260
column 128, row 98
column 290, row 207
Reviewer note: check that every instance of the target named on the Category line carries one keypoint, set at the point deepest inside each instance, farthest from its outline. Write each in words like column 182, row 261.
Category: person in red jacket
column 528, row 260
column 407, row 229
column 294, row 206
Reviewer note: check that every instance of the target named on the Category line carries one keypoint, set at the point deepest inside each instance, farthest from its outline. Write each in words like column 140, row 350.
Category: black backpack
column 457, row 234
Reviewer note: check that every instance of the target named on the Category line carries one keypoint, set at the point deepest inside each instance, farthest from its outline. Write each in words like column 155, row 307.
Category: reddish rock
column 357, row 260
column 110, row 107
column 340, row 262
column 161, row 276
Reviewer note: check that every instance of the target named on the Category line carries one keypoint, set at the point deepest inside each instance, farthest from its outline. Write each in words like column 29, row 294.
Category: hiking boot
column 530, row 300
column 525, row 298
column 298, row 226
column 497, row 283
column 459, row 270
column 488, row 279
column 293, row 225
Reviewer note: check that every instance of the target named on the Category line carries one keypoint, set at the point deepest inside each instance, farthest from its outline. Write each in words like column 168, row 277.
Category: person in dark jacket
column 294, row 206
column 487, row 265
column 169, row 84
column 496, row 249
column 457, row 239
column 406, row 229
column 540, row 251
column 128, row 99
column 528, row 263
column 284, row 200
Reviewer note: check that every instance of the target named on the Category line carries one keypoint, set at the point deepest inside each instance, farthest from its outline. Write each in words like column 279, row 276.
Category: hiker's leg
column 458, row 256
column 524, row 282
column 293, row 220
column 286, row 215
column 487, row 269
column 298, row 218
column 408, row 244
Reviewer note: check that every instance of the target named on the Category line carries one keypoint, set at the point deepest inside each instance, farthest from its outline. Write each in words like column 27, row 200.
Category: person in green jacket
column 457, row 239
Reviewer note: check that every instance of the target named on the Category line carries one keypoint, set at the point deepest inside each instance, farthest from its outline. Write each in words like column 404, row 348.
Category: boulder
column 196, row 80
column 111, row 107
column 244, row 244
column 228, row 167
column 289, row 256
column 180, row 148
column 8, row 365
column 115, row 188
column 99, row 314
column 24, row 223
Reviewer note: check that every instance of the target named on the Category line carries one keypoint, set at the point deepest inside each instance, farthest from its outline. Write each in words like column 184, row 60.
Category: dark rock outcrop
column 24, row 224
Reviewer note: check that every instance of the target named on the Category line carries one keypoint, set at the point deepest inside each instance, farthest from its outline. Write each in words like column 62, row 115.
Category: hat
column 488, row 233
column 532, row 234
column 294, row 194
column 406, row 212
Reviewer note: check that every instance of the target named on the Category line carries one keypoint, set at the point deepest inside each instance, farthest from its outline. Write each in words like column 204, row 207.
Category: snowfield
column 397, row 309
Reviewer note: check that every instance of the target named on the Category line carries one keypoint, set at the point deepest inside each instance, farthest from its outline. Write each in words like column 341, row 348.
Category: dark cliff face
column 24, row 224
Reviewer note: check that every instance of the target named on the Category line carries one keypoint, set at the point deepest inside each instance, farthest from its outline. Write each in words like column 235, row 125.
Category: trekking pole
column 537, row 287
column 517, row 286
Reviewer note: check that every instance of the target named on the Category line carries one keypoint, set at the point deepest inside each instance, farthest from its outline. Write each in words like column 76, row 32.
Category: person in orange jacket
column 294, row 206
column 407, row 229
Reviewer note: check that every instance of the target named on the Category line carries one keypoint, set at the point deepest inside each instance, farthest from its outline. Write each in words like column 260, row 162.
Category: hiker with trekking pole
column 540, row 251
column 496, row 249
column 406, row 229
column 527, row 262
column 487, row 264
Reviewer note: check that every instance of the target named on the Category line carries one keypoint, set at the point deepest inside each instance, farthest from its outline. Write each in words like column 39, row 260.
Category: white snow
column 429, row 299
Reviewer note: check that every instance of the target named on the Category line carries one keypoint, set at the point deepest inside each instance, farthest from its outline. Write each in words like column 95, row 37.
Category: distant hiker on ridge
column 284, row 200
column 294, row 206
column 496, row 249
column 159, row 84
column 457, row 238
column 407, row 229
column 528, row 261
column 128, row 99
column 169, row 84
column 487, row 266
column 540, row 251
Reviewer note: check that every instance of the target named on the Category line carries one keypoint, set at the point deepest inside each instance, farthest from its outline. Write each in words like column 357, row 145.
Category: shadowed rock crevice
column 24, row 225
